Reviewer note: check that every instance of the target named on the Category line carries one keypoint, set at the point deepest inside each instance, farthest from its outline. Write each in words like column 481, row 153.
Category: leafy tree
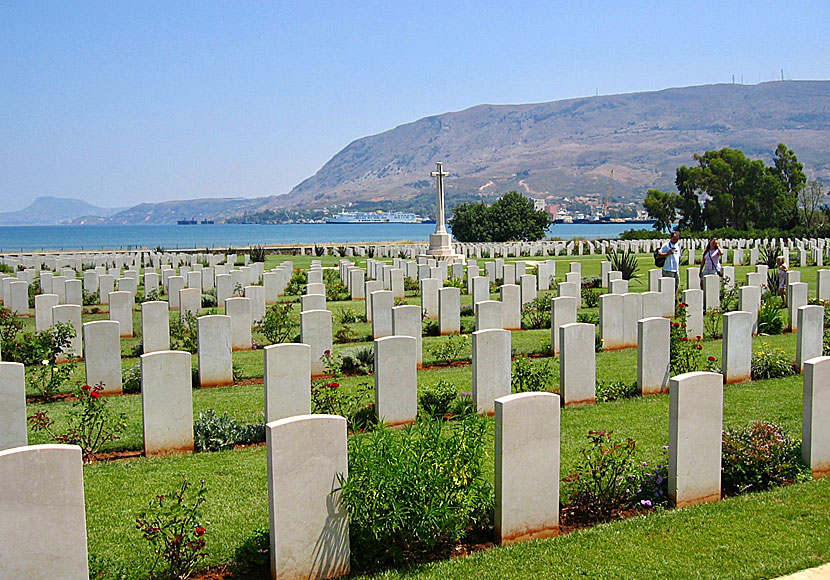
column 691, row 214
column 787, row 169
column 510, row 218
column 471, row 223
column 739, row 192
column 810, row 200
column 662, row 206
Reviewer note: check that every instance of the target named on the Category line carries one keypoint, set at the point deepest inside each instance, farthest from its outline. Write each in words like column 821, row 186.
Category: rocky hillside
column 169, row 212
column 570, row 147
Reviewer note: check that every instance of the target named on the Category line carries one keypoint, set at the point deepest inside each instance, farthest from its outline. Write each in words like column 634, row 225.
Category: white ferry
column 362, row 217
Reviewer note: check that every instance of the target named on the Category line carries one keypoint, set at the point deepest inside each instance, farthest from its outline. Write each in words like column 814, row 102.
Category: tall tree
column 470, row 222
column 510, row 218
column 662, row 206
column 790, row 174
column 689, row 210
column 810, row 199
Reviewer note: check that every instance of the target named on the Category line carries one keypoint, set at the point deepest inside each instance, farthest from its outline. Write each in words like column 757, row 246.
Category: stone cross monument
column 439, row 174
column 440, row 243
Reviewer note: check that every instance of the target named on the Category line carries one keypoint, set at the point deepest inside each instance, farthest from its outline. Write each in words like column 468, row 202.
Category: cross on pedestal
column 439, row 174
column 440, row 243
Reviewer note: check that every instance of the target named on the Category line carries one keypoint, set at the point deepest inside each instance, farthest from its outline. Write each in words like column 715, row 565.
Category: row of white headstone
column 306, row 455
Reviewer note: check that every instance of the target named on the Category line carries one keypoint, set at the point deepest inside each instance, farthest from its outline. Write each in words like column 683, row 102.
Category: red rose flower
column 698, row 337
column 85, row 388
column 94, row 395
column 334, row 385
column 699, row 346
column 683, row 325
column 675, row 324
column 712, row 359
column 684, row 338
column 683, row 305
column 199, row 532
column 327, row 352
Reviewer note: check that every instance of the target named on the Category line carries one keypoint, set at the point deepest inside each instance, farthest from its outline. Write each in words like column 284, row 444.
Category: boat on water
column 362, row 217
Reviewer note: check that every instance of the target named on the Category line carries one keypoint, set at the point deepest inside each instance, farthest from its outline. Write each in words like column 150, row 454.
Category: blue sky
column 119, row 103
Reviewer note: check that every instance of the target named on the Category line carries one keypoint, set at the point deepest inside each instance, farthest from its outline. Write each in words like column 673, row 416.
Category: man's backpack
column 658, row 259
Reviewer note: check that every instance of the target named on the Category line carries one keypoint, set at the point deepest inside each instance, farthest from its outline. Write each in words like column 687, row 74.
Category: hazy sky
column 119, row 103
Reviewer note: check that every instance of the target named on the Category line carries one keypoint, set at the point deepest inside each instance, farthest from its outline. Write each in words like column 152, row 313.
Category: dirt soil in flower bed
column 569, row 521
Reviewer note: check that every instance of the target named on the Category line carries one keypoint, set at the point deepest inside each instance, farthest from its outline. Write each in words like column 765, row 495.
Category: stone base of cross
column 440, row 248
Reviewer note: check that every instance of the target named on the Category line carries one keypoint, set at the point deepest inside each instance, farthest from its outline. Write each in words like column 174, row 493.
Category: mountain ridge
column 49, row 210
column 569, row 147
column 580, row 147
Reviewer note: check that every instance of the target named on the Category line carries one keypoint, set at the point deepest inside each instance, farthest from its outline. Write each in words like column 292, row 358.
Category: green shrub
column 358, row 361
column 430, row 327
column 10, row 325
column 436, row 400
column 329, row 398
column 296, row 285
column 449, row 349
column 613, row 390
column 183, row 333
column 757, row 457
column 590, row 297
column 90, row 298
column 536, row 313
column 90, row 423
column 463, row 405
column 151, row 296
column 348, row 315
column 131, row 379
column 336, row 291
column 214, row 432
column 649, row 487
column 771, row 363
column 412, row 492
column 595, row 488
column 587, row 317
column 529, row 375
column 209, row 299
column 769, row 316
column 39, row 352
column 279, row 323
column 592, row 282
column 173, row 527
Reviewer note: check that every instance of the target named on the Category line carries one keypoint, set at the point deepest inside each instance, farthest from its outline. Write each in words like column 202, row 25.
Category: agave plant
column 625, row 262
column 257, row 253
column 769, row 256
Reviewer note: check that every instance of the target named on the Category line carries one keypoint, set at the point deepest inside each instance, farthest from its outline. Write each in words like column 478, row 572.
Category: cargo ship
column 362, row 217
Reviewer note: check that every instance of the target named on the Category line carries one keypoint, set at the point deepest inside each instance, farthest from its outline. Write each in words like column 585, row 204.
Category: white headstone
column 695, row 430
column 527, row 442
column 491, row 368
column 287, row 380
column 102, row 355
column 214, row 350
column 396, row 380
column 167, row 402
column 309, row 524
column 42, row 513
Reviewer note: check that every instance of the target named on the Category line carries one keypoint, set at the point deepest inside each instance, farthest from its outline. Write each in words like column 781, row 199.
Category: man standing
column 671, row 267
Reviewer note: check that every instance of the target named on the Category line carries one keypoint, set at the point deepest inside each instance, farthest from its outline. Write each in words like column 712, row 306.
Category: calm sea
column 66, row 238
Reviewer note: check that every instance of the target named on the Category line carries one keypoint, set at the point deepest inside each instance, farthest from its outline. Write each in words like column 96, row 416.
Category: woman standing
column 782, row 279
column 710, row 264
